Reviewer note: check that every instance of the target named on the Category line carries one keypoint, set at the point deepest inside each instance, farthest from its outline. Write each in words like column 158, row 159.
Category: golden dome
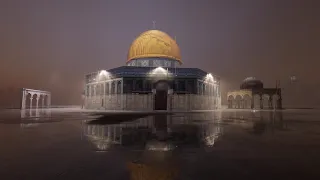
column 154, row 43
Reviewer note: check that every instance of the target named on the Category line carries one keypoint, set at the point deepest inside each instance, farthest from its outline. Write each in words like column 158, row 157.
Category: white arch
column 34, row 93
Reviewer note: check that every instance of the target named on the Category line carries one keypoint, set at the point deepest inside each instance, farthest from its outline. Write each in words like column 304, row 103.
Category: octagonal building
column 152, row 79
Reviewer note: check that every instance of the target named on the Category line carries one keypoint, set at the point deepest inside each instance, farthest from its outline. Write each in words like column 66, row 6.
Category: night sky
column 51, row 45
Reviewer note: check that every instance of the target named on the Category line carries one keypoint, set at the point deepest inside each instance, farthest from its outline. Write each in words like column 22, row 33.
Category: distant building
column 23, row 98
column 253, row 95
column 152, row 80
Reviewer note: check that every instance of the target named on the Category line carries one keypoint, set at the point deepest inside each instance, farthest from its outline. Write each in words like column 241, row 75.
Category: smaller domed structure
column 251, row 83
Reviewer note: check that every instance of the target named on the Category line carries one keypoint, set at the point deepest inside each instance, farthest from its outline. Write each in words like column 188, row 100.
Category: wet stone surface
column 50, row 144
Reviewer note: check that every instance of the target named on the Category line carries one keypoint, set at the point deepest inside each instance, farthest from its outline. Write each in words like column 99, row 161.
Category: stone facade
column 145, row 102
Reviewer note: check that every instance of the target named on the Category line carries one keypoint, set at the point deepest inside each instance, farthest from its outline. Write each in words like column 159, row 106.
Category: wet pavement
column 51, row 144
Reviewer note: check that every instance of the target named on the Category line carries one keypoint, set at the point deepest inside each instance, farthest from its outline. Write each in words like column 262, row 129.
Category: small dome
column 251, row 83
column 154, row 43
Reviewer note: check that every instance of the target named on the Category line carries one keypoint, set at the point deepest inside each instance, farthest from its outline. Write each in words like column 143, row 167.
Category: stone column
column 23, row 99
column 86, row 90
column 270, row 102
column 110, row 86
column 252, row 102
column 116, row 87
column 42, row 101
column 49, row 101
column 104, row 94
column 261, row 102
column 31, row 98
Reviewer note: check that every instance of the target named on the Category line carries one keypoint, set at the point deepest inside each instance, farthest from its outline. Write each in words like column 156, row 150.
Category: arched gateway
column 34, row 99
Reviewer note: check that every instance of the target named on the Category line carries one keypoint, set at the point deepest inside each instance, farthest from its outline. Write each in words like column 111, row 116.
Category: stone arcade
column 31, row 98
column 252, row 95
column 152, row 80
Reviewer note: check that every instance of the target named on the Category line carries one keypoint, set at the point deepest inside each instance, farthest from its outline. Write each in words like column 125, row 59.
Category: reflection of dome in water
column 154, row 44
column 251, row 83
column 100, row 143
column 159, row 146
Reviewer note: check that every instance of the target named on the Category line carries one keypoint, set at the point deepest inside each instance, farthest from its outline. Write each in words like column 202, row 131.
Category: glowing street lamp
column 209, row 78
column 159, row 72
column 103, row 74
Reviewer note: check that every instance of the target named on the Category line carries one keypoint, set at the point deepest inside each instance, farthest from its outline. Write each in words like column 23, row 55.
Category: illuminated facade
column 152, row 80
column 252, row 95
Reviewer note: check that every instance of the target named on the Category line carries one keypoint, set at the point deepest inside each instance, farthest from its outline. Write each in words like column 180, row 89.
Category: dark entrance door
column 160, row 98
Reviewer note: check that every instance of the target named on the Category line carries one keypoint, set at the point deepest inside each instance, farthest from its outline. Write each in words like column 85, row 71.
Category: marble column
column 95, row 90
column 31, row 98
column 23, row 100
column 121, row 94
column 116, row 87
column 252, row 102
column 49, row 100
column 104, row 94
column 270, row 102
column 42, row 103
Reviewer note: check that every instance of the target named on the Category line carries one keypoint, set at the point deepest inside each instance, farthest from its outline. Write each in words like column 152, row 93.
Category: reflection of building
column 252, row 95
column 32, row 117
column 104, row 136
column 259, row 122
column 152, row 80
column 153, row 132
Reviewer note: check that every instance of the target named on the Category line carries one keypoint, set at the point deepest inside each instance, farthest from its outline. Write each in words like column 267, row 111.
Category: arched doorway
column 45, row 101
column 256, row 101
column 160, row 98
column 230, row 101
column 41, row 101
column 34, row 101
column 28, row 103
column 237, row 103
column 265, row 101
column 246, row 101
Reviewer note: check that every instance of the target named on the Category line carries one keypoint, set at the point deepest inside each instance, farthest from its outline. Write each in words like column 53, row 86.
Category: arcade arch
column 32, row 98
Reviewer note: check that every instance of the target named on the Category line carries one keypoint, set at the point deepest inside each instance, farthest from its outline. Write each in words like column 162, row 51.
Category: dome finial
column 154, row 24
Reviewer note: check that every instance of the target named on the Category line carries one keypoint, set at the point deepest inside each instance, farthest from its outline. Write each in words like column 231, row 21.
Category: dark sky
column 53, row 44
